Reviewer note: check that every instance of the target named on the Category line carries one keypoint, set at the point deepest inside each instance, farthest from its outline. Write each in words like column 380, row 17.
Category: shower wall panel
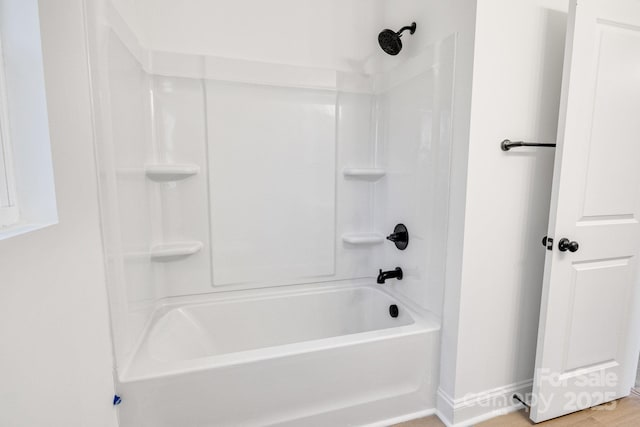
column 329, row 34
column 272, row 182
column 127, row 196
column 179, row 138
column 414, row 145
column 355, row 198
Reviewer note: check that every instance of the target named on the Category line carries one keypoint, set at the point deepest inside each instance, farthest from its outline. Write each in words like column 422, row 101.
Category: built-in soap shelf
column 174, row 250
column 363, row 238
column 170, row 172
column 366, row 174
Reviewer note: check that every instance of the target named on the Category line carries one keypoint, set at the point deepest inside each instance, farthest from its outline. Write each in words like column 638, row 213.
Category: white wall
column 56, row 360
column 516, row 89
column 132, row 13
column 326, row 34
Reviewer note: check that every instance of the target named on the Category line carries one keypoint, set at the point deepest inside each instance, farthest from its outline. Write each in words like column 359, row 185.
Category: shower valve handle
column 400, row 237
column 397, row 237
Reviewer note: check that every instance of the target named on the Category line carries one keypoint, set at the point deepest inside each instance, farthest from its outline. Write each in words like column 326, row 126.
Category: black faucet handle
column 400, row 237
column 394, row 237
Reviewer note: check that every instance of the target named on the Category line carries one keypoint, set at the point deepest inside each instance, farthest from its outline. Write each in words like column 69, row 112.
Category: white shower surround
column 165, row 127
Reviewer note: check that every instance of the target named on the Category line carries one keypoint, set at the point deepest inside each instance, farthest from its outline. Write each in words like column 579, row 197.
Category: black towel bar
column 507, row 145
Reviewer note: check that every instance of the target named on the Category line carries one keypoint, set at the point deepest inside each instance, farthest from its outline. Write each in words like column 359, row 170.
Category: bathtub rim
column 423, row 322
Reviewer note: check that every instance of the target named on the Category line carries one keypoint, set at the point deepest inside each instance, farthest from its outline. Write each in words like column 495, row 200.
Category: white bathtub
column 315, row 355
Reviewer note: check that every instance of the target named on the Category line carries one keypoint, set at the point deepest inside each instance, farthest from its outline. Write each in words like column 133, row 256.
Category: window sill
column 18, row 229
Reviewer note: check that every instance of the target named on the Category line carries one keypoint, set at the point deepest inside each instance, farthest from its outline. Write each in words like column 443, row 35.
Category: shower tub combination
column 316, row 355
column 245, row 200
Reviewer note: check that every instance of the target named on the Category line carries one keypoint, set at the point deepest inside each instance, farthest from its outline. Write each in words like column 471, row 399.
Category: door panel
column 586, row 337
column 614, row 190
column 593, row 339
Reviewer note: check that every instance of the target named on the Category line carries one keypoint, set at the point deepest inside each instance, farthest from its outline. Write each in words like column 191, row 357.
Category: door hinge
column 547, row 242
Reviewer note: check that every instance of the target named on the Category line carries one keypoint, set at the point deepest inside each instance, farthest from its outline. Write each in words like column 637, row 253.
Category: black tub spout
column 391, row 274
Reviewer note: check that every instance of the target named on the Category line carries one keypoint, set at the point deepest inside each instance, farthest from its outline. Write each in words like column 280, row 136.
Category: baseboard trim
column 403, row 418
column 477, row 407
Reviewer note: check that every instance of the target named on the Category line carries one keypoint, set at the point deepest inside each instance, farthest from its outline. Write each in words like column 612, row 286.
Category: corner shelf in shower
column 363, row 238
column 174, row 250
column 366, row 174
column 170, row 172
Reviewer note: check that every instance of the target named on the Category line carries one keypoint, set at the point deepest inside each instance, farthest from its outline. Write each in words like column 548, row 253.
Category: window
column 27, row 190
column 8, row 202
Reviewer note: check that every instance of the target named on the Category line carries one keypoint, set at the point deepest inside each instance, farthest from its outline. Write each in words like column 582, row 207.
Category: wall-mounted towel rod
column 507, row 145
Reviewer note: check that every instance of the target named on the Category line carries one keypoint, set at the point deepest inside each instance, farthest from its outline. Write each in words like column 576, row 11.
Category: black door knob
column 567, row 245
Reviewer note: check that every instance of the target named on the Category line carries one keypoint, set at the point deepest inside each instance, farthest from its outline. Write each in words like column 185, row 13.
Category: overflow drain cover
column 393, row 310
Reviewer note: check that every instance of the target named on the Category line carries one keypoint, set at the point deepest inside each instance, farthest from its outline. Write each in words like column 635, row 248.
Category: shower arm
column 411, row 28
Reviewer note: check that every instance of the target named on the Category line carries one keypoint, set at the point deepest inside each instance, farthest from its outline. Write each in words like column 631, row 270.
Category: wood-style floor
column 626, row 414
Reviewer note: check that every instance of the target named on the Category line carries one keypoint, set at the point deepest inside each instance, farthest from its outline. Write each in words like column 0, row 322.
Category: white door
column 588, row 334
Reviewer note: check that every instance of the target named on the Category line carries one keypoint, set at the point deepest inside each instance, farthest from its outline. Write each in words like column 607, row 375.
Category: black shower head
column 389, row 40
